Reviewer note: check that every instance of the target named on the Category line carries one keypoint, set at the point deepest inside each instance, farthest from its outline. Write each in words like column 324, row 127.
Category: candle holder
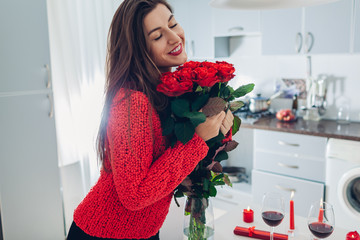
column 248, row 215
column 353, row 236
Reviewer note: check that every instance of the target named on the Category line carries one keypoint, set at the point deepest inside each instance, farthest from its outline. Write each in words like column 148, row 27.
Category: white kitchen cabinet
column 330, row 25
column 31, row 205
column 286, row 161
column 317, row 29
column 357, row 27
column 227, row 22
column 195, row 18
column 306, row 192
column 296, row 145
column 24, row 48
column 30, row 191
column 279, row 29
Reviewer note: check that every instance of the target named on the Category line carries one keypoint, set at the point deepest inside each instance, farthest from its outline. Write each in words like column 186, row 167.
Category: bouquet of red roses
column 194, row 86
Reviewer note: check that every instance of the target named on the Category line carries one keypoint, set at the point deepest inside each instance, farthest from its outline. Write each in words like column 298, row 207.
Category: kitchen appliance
column 343, row 182
column 249, row 117
column 316, row 95
column 260, row 104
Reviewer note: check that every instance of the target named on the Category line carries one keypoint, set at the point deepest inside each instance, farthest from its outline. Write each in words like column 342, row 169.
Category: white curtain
column 78, row 34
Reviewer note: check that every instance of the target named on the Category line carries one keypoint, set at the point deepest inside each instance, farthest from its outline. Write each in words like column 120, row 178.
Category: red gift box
column 254, row 233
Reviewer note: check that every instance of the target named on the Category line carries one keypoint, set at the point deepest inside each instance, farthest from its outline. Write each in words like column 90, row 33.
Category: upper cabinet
column 317, row 29
column 195, row 17
column 24, row 47
column 357, row 27
column 281, row 31
column 228, row 22
column 330, row 27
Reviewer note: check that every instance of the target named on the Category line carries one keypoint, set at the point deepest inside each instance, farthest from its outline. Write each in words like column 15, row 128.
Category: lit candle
column 292, row 219
column 353, row 236
column 248, row 215
column 321, row 212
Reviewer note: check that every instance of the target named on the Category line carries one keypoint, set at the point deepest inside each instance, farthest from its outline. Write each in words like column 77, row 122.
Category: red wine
column 272, row 218
column 321, row 230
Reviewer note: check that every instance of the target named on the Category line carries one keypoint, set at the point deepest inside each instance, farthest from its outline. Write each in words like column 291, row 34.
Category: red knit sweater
column 133, row 199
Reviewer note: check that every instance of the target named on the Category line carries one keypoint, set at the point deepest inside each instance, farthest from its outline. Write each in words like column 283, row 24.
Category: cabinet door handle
column 51, row 113
column 309, row 36
column 298, row 42
column 285, row 188
column 288, row 144
column 233, row 29
column 48, row 84
column 287, row 166
column 193, row 47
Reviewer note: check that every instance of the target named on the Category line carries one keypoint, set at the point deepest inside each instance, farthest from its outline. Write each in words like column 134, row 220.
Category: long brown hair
column 128, row 64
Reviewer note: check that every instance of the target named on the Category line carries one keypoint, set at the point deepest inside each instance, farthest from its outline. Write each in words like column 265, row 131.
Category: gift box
column 259, row 234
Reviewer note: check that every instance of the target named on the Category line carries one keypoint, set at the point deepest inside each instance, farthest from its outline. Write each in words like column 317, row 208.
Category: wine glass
column 321, row 219
column 272, row 211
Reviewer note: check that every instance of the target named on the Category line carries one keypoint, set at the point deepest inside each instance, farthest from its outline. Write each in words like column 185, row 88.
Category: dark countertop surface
column 322, row 128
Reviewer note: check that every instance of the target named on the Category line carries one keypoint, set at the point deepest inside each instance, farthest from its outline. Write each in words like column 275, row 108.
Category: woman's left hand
column 227, row 123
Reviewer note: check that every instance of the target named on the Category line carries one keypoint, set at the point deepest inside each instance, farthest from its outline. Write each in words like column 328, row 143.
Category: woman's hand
column 210, row 128
column 227, row 123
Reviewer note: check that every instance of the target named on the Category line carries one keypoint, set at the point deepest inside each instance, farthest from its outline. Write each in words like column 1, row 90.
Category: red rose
column 228, row 137
column 206, row 76
column 171, row 86
column 184, row 74
column 225, row 71
column 190, row 64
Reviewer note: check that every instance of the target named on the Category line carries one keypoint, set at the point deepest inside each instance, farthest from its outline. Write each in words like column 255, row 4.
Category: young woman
column 139, row 170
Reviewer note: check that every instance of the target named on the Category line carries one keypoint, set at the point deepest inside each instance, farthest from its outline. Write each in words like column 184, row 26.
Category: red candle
column 353, row 236
column 321, row 212
column 248, row 215
column 292, row 219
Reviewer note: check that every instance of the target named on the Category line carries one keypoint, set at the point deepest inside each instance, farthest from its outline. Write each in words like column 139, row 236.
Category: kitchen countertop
column 322, row 128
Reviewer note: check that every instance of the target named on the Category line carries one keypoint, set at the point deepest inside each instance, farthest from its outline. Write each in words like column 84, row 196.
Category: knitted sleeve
column 140, row 179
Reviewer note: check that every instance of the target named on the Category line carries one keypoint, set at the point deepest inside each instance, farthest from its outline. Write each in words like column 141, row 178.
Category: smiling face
column 165, row 38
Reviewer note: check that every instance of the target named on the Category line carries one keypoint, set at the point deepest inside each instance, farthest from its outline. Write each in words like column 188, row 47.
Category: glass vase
column 198, row 219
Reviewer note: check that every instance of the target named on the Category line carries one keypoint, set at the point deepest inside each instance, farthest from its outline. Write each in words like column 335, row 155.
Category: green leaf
column 243, row 90
column 180, row 106
column 224, row 92
column 195, row 117
column 236, row 125
column 168, row 126
column 214, row 106
column 236, row 105
column 199, row 102
column 212, row 191
column 227, row 180
column 221, row 156
column 217, row 177
column 198, row 89
column 184, row 131
column 206, row 183
column 230, row 89
column 211, row 142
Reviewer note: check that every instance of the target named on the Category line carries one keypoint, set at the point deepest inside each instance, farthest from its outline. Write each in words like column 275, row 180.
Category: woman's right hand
column 211, row 127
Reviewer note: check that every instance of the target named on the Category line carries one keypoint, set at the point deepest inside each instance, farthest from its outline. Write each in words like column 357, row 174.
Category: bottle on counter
column 295, row 104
